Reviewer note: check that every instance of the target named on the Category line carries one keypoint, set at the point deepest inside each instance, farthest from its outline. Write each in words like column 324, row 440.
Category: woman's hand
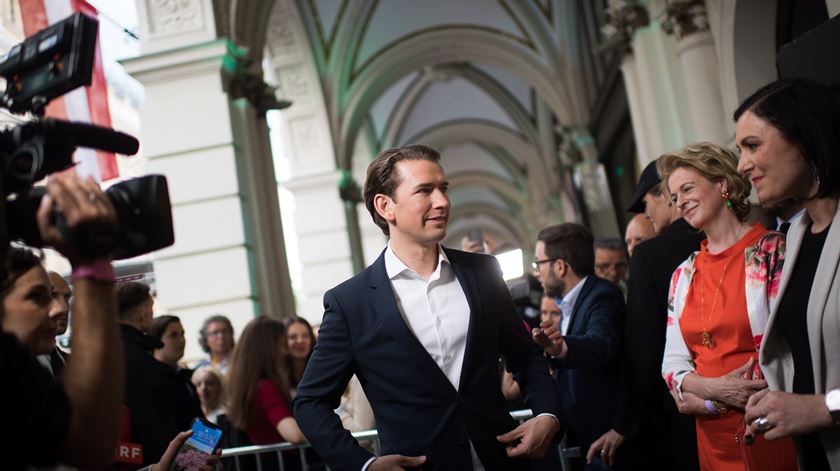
column 692, row 404
column 786, row 413
column 736, row 387
column 732, row 389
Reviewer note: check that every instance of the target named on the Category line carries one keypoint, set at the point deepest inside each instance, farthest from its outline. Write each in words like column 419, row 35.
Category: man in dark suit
column 423, row 328
column 159, row 404
column 646, row 414
column 585, row 346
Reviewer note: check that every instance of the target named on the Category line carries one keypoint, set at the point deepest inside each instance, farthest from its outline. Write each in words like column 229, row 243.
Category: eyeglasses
column 536, row 263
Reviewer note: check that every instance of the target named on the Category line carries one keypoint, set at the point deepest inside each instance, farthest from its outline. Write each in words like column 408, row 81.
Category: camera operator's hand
column 81, row 203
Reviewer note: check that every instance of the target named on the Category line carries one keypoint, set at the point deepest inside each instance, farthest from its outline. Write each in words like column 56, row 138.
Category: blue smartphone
column 203, row 442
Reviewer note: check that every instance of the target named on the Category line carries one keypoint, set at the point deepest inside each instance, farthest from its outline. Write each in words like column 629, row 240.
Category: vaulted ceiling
column 495, row 85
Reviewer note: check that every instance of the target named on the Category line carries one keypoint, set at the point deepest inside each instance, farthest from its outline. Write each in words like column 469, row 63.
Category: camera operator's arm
column 93, row 378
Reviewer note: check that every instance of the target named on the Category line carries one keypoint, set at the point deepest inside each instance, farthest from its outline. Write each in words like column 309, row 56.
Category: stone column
column 580, row 154
column 322, row 220
column 227, row 256
column 688, row 22
column 653, row 80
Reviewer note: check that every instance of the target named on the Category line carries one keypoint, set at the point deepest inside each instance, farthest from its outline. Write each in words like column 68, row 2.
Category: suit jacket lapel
column 466, row 277
column 823, row 279
column 385, row 306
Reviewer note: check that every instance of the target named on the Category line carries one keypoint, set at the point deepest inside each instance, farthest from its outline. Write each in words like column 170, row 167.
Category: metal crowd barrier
column 255, row 452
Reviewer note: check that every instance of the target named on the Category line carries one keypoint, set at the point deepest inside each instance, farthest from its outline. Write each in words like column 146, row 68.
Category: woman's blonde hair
column 714, row 163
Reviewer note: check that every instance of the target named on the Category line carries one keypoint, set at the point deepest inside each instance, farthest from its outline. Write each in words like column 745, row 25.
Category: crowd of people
column 706, row 340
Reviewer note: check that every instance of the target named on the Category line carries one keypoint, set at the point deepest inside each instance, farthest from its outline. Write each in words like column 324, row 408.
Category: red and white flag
column 86, row 104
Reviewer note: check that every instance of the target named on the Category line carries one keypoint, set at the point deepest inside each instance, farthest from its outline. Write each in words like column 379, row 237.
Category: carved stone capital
column 624, row 17
column 173, row 16
column 684, row 17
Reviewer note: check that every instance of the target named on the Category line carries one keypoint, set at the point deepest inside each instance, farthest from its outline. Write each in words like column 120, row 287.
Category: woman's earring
column 726, row 199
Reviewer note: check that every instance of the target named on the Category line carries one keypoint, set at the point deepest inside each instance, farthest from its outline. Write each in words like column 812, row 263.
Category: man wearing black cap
column 646, row 412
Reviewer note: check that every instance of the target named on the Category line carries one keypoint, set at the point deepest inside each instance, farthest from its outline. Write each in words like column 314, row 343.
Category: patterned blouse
column 763, row 270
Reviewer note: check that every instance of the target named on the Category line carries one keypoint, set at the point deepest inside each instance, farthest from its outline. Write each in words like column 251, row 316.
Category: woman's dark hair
column 160, row 325
column 807, row 114
column 258, row 355
column 18, row 261
column 287, row 323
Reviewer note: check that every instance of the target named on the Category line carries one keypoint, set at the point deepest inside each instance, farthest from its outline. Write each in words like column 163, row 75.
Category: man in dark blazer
column 646, row 415
column 423, row 328
column 584, row 348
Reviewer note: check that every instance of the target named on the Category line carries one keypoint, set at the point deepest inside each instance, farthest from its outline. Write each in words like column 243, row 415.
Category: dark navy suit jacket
column 587, row 378
column 417, row 410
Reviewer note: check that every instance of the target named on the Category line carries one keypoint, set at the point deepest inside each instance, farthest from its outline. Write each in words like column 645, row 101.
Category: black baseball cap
column 648, row 179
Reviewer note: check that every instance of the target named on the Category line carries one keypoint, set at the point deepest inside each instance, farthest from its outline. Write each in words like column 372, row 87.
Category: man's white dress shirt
column 436, row 311
column 567, row 305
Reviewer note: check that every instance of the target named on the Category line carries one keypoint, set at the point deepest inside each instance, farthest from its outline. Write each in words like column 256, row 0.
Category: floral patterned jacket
column 763, row 270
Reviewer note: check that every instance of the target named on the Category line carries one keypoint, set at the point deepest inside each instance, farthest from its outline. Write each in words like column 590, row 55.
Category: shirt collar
column 395, row 267
column 568, row 301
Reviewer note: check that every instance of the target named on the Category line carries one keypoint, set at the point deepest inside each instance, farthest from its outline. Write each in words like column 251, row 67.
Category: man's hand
column 395, row 463
column 550, row 339
column 607, row 445
column 532, row 438
column 786, row 413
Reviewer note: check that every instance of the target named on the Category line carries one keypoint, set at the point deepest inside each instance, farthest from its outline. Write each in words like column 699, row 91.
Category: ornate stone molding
column 174, row 16
column 624, row 17
column 684, row 17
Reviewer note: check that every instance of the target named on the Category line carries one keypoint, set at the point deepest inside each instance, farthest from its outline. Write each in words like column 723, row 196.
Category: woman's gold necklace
column 706, row 338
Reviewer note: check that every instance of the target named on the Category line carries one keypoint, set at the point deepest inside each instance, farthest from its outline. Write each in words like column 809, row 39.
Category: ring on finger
column 603, row 451
column 92, row 197
column 761, row 424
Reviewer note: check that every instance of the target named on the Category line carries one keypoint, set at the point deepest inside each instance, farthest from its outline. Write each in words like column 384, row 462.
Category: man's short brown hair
column 572, row 243
column 382, row 179
column 130, row 295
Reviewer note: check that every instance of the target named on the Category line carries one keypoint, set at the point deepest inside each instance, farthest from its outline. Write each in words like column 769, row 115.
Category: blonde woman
column 718, row 301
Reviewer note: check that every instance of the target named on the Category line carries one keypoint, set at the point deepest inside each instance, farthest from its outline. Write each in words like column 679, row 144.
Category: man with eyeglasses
column 584, row 347
column 216, row 339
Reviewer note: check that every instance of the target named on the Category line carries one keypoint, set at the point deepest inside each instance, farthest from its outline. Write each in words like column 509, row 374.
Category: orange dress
column 719, row 276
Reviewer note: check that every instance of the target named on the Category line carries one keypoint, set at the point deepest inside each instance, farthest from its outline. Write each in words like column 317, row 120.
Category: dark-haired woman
column 26, row 295
column 259, row 400
column 184, row 399
column 300, row 340
column 788, row 133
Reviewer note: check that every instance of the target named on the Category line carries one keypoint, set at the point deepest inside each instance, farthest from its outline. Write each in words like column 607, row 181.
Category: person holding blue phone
column 208, row 459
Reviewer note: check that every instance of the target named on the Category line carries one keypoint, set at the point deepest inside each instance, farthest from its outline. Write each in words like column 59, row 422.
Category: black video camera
column 47, row 65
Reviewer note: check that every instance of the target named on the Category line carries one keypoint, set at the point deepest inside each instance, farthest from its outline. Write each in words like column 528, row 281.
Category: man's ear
column 559, row 267
column 384, row 206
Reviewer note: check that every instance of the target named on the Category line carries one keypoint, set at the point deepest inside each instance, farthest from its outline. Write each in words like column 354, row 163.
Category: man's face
column 60, row 308
column 639, row 229
column 552, row 284
column 219, row 338
column 549, row 310
column 610, row 264
column 658, row 210
column 418, row 211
